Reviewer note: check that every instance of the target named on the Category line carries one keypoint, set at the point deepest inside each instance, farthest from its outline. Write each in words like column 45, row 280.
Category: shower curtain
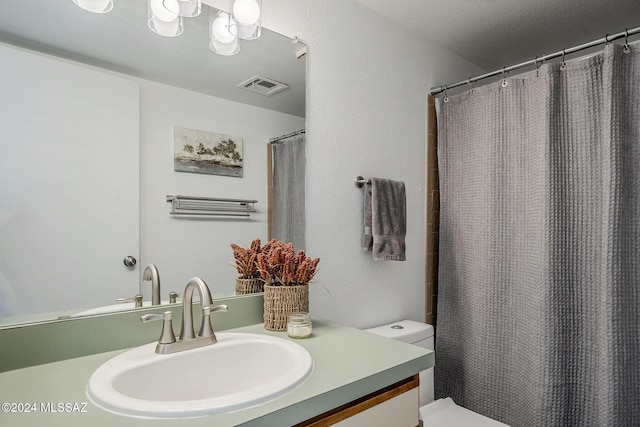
column 539, row 266
column 288, row 208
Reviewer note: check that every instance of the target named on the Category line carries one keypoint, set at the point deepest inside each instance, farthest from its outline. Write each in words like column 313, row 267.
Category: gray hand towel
column 388, row 223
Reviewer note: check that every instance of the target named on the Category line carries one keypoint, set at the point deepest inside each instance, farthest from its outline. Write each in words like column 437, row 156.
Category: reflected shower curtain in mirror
column 539, row 271
column 288, row 209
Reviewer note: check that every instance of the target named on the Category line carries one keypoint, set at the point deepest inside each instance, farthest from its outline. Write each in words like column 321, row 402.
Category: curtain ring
column 563, row 65
column 606, row 39
column 626, row 48
column 504, row 77
column 535, row 62
column 446, row 96
column 470, row 85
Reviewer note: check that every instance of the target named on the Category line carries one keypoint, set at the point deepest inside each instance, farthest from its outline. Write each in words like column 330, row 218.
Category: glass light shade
column 95, row 6
column 190, row 8
column 247, row 15
column 164, row 18
column 221, row 39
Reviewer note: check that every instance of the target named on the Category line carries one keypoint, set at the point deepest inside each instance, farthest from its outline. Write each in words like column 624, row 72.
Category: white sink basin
column 239, row 371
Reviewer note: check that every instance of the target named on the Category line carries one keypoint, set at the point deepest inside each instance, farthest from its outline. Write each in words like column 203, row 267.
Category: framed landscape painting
column 199, row 151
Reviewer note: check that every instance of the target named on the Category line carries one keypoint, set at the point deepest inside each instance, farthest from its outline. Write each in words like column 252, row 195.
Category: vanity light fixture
column 247, row 15
column 95, row 6
column 243, row 21
column 221, row 39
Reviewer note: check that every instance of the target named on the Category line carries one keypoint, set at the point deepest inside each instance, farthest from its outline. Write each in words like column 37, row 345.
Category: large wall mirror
column 89, row 112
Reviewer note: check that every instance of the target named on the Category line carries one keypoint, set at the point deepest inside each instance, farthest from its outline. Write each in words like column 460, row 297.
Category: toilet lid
column 445, row 413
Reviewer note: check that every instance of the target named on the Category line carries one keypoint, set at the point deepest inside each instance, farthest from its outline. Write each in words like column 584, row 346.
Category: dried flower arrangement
column 276, row 263
column 246, row 259
column 280, row 265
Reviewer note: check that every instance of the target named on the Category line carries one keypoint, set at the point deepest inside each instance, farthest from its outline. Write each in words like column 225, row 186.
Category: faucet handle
column 167, row 336
column 137, row 299
column 205, row 328
column 221, row 307
column 173, row 297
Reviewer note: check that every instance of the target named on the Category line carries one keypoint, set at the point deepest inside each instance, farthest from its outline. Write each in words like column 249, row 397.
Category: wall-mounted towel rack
column 360, row 181
column 209, row 206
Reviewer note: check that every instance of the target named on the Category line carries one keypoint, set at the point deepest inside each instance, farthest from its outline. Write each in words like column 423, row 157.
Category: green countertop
column 348, row 364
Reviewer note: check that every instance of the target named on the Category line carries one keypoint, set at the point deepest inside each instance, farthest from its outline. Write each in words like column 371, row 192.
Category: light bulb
column 95, row 6
column 220, row 29
column 223, row 40
column 165, row 10
column 164, row 19
column 246, row 11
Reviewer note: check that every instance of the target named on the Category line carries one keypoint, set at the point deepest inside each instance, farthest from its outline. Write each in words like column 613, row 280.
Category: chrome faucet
column 186, row 332
column 188, row 339
column 151, row 273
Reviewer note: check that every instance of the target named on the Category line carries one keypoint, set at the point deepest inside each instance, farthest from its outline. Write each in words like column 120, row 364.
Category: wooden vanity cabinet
column 396, row 405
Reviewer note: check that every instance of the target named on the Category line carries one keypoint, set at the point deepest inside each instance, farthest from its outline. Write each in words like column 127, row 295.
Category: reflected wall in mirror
column 88, row 117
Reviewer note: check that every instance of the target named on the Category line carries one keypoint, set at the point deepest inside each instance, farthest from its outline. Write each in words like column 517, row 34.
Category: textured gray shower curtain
column 289, row 164
column 538, row 319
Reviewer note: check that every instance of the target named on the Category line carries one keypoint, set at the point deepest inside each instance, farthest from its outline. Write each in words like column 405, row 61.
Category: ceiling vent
column 263, row 85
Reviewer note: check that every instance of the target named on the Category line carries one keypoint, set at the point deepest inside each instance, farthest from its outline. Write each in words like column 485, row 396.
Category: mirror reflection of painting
column 212, row 153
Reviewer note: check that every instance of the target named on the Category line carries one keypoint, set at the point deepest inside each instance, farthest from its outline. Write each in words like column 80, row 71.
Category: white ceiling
column 493, row 34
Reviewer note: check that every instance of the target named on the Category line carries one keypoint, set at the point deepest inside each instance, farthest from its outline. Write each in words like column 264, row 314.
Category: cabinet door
column 401, row 411
column 69, row 184
column 396, row 405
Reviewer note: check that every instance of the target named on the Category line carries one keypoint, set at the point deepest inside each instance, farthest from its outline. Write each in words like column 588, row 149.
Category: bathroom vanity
column 357, row 377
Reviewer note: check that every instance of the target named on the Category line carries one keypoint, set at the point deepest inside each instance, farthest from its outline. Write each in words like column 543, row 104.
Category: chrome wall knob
column 130, row 261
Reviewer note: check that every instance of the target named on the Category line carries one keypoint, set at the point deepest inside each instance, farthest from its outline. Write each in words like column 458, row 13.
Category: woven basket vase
column 248, row 286
column 280, row 301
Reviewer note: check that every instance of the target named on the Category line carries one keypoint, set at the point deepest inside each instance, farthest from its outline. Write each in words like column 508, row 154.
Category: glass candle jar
column 299, row 325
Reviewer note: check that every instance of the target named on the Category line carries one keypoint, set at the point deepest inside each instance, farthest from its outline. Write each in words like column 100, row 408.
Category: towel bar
column 189, row 205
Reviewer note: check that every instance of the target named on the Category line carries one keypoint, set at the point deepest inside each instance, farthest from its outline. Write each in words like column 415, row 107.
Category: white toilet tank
column 417, row 333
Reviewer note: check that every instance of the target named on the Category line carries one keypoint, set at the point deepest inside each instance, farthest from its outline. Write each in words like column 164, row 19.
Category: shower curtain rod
column 539, row 60
column 289, row 135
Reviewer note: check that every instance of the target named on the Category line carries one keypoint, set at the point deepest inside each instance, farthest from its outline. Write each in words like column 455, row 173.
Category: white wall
column 184, row 247
column 367, row 79
column 63, row 238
